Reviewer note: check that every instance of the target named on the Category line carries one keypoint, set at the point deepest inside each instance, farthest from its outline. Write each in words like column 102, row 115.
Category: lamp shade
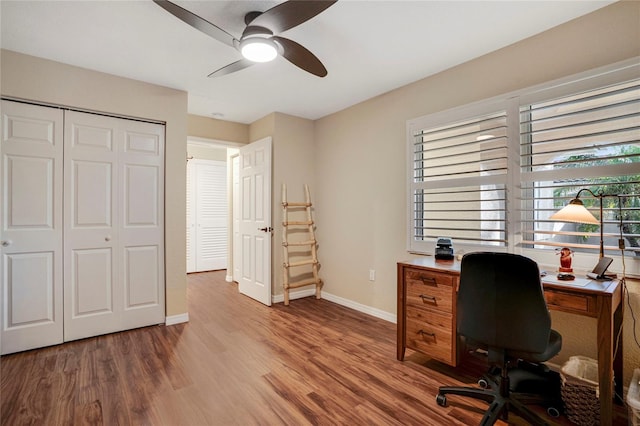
column 575, row 211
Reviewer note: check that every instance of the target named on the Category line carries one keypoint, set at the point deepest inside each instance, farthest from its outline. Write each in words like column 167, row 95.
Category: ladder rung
column 297, row 223
column 305, row 282
column 300, row 263
column 288, row 204
column 300, row 243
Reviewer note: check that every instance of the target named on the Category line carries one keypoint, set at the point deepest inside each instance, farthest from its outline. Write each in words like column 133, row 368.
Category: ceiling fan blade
column 301, row 57
column 233, row 67
column 290, row 14
column 197, row 22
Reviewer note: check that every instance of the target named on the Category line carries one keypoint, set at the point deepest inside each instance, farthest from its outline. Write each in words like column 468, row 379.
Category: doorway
column 208, row 231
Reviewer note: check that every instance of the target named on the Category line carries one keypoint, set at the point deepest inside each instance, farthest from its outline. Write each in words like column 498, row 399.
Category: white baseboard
column 228, row 278
column 176, row 319
column 279, row 298
column 387, row 316
column 378, row 313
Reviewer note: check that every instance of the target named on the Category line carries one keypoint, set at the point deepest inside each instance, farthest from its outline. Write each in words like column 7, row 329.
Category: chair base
column 512, row 393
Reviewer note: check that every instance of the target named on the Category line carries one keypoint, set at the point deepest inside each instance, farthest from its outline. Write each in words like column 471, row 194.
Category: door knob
column 266, row 229
column 107, row 238
column 6, row 243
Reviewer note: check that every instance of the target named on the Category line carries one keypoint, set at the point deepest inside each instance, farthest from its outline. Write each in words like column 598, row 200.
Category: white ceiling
column 368, row 47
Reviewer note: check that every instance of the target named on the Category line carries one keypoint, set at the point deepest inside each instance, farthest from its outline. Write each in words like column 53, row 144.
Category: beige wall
column 211, row 128
column 360, row 159
column 213, row 153
column 293, row 164
column 40, row 80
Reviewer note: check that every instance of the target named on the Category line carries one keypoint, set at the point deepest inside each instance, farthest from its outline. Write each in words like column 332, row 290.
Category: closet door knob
column 107, row 238
column 6, row 243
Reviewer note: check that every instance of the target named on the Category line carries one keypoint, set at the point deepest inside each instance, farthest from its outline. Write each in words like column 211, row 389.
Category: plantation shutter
column 459, row 177
column 586, row 140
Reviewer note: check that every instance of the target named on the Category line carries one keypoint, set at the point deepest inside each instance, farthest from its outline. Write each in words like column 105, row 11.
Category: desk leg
column 605, row 360
column 618, row 360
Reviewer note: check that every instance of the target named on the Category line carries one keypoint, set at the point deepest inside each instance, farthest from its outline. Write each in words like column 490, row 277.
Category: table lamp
column 576, row 212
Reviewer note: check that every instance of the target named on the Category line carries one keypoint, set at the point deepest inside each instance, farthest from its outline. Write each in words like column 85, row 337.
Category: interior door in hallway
column 206, row 215
column 114, row 224
column 255, row 220
column 31, row 266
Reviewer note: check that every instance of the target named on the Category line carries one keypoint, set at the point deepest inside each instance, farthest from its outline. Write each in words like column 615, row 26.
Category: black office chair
column 501, row 308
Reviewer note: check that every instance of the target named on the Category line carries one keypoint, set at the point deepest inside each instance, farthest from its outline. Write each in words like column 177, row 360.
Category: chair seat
column 553, row 348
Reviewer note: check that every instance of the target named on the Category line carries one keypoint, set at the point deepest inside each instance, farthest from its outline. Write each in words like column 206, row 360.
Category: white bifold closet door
column 113, row 224
column 83, row 225
column 31, row 267
column 206, row 215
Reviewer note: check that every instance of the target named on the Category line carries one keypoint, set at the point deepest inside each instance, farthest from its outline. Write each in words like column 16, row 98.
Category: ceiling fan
column 260, row 41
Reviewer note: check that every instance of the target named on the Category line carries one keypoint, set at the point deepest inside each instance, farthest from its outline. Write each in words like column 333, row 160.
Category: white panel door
column 91, row 228
column 113, row 238
column 255, row 221
column 141, row 224
column 31, row 220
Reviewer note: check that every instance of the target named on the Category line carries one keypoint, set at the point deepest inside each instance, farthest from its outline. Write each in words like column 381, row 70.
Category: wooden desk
column 600, row 300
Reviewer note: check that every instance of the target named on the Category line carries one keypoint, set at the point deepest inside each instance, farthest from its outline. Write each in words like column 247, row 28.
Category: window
column 589, row 140
column 459, row 179
column 490, row 174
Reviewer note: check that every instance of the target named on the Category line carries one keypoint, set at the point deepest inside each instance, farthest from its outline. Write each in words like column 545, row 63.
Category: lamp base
column 563, row 269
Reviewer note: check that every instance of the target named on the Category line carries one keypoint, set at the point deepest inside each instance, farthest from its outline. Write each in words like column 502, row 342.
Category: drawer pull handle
column 429, row 298
column 425, row 333
column 431, row 281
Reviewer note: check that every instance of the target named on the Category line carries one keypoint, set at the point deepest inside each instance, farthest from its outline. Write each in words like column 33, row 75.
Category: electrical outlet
column 372, row 274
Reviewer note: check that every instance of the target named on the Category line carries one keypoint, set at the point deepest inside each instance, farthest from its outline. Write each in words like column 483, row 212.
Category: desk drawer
column 584, row 304
column 429, row 290
column 431, row 333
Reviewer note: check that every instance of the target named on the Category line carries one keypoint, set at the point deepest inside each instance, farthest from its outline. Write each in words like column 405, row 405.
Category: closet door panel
column 31, row 226
column 91, row 282
column 191, row 217
column 141, row 266
column 206, row 215
column 30, row 289
column 91, row 289
column 91, row 188
column 141, row 217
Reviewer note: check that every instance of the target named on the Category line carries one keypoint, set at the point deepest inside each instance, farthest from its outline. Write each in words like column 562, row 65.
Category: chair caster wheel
column 483, row 383
column 441, row 400
column 553, row 412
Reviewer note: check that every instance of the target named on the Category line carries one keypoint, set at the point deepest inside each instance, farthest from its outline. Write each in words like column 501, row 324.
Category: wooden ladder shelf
column 310, row 242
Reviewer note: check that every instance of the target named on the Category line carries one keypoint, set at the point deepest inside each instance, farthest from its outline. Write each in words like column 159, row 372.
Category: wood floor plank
column 237, row 362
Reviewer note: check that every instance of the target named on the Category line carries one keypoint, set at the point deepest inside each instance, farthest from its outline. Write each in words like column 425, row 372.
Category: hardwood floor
column 236, row 362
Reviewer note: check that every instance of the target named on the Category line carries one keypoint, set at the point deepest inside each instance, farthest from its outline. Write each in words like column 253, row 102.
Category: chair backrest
column 501, row 302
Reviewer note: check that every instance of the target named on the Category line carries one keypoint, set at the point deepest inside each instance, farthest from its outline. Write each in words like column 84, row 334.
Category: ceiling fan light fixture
column 258, row 49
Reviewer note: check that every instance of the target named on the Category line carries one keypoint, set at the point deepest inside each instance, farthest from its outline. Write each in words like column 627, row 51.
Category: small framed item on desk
column 598, row 272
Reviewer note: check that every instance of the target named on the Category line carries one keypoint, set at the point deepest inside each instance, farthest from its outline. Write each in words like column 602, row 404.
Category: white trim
column 279, row 298
column 228, row 278
column 378, row 313
column 210, row 143
column 176, row 319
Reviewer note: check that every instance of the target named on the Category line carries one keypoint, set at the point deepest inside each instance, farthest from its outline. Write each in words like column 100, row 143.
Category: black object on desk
column 444, row 248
